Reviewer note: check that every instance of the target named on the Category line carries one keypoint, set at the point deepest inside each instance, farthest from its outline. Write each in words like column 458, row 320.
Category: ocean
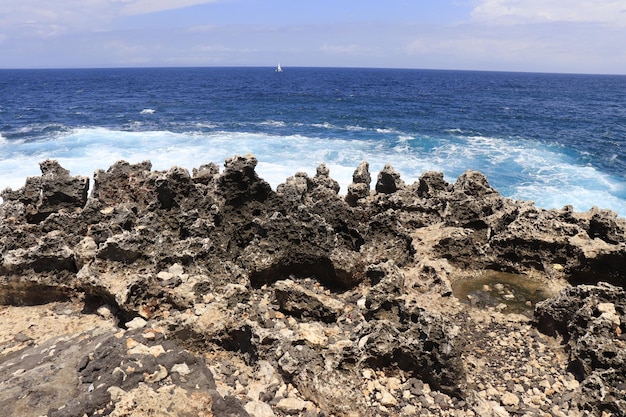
column 555, row 139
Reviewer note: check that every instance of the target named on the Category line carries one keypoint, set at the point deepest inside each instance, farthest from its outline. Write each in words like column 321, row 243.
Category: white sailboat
column 278, row 68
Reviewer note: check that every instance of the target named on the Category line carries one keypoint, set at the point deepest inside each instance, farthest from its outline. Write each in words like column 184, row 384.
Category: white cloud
column 546, row 47
column 44, row 18
column 473, row 45
column 26, row 18
column 202, row 29
column 134, row 7
column 530, row 11
column 352, row 48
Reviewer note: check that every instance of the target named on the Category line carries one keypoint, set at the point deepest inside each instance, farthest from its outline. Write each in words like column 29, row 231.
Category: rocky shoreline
column 170, row 293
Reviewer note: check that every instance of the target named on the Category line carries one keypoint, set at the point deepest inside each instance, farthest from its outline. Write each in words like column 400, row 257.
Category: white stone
column 571, row 384
column 394, row 383
column 164, row 275
column 409, row 410
column 291, row 405
column 158, row 375
column 509, row 398
column 141, row 349
column 136, row 323
column 609, row 313
column 176, row 269
column 105, row 312
column 259, row 409
column 606, row 308
column 116, row 393
column 363, row 341
column 387, row 399
column 181, row 369
column 499, row 411
column 313, row 333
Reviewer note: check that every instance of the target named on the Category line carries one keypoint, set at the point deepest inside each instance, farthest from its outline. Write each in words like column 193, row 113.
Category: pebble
column 387, row 399
column 292, row 405
column 259, row 409
column 158, row 375
column 509, row 398
column 181, row 368
column 136, row 323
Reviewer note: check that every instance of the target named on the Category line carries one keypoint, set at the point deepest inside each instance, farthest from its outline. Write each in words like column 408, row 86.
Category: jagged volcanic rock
column 591, row 318
column 312, row 295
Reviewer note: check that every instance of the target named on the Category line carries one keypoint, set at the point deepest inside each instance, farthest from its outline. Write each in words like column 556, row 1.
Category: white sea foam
column 272, row 123
column 558, row 196
column 326, row 125
column 205, row 125
column 386, row 130
column 147, row 111
column 518, row 169
column 356, row 128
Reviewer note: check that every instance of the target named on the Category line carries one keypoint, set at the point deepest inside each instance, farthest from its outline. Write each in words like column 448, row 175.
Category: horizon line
column 299, row 67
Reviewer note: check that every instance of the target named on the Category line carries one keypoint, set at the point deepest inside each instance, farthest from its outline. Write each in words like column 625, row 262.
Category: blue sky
column 510, row 35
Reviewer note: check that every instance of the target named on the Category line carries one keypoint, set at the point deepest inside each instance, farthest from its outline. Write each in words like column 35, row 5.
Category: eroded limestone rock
column 319, row 288
column 592, row 321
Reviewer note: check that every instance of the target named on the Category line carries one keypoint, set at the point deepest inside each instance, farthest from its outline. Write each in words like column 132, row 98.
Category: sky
column 569, row 36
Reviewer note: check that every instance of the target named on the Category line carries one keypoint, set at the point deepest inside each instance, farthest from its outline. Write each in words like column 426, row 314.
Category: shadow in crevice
column 96, row 298
column 321, row 269
column 31, row 294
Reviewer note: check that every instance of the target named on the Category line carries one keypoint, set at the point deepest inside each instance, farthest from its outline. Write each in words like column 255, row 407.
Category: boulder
column 592, row 321
column 239, row 181
column 105, row 371
column 54, row 191
column 388, row 180
column 360, row 187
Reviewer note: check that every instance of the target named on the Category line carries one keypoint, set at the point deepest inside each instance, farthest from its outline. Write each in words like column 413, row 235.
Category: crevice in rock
column 98, row 297
column 240, row 340
column 189, row 339
column 54, row 263
column 407, row 363
column 609, row 268
column 352, row 237
column 37, row 217
column 234, row 340
column 320, row 269
column 31, row 294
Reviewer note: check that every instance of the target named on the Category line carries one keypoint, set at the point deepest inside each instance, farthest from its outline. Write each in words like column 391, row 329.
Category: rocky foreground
column 165, row 293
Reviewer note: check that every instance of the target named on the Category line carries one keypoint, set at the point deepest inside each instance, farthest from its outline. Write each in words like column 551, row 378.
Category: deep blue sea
column 553, row 139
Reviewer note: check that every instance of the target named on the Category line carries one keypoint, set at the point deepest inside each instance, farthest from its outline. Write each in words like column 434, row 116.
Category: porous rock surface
column 210, row 293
